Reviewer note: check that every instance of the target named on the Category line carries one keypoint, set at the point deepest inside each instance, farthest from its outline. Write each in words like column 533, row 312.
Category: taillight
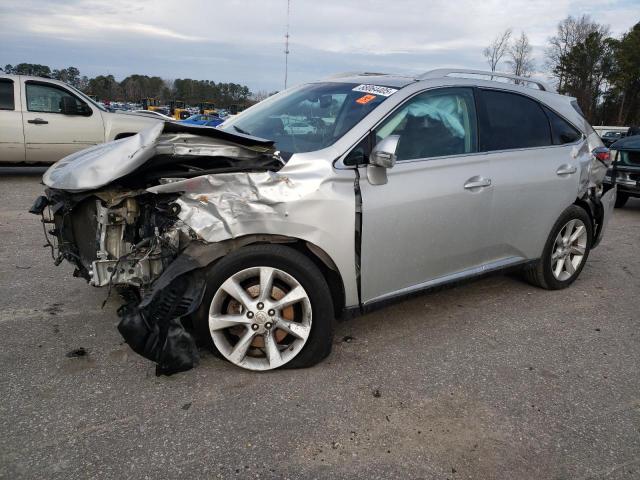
column 603, row 154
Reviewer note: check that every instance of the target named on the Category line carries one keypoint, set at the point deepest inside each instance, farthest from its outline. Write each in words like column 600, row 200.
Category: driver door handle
column 477, row 182
column 38, row 121
column 565, row 169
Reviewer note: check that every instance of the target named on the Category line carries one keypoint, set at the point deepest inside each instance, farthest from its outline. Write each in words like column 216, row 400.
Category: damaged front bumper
column 100, row 212
column 113, row 237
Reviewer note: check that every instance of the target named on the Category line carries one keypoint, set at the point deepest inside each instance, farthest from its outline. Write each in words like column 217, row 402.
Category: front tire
column 565, row 252
column 266, row 307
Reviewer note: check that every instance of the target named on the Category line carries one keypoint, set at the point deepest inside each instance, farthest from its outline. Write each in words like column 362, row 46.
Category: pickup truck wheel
column 565, row 252
column 621, row 199
column 266, row 307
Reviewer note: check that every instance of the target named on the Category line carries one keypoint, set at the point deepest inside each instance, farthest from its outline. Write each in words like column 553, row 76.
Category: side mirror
column 384, row 153
column 382, row 156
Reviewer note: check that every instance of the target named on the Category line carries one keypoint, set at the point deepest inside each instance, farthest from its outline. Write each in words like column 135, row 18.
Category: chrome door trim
column 469, row 273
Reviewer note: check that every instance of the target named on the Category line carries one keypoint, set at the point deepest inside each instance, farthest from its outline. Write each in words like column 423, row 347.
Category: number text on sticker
column 375, row 90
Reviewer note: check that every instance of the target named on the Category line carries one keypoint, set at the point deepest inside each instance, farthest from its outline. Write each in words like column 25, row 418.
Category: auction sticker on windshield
column 365, row 99
column 375, row 90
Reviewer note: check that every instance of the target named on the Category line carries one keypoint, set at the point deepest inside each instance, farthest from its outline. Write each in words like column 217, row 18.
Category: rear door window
column 561, row 130
column 509, row 121
column 7, row 101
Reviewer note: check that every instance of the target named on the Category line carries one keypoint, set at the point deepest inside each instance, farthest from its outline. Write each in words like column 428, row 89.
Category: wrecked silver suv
column 325, row 201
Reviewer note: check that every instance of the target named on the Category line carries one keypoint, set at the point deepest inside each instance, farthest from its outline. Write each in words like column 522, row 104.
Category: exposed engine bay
column 119, row 234
column 116, row 238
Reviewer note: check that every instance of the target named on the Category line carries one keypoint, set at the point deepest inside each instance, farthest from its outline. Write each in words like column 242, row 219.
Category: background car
column 626, row 159
column 203, row 120
column 610, row 137
column 299, row 128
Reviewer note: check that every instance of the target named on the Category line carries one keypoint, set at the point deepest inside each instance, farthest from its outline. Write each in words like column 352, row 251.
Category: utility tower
column 286, row 47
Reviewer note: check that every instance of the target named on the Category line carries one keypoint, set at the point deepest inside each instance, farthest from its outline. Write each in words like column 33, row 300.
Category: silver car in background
column 256, row 236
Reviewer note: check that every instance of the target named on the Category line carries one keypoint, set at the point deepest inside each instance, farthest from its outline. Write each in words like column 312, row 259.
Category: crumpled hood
column 97, row 166
column 100, row 165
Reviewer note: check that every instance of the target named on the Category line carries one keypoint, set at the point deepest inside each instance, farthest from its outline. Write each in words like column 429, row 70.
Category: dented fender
column 309, row 201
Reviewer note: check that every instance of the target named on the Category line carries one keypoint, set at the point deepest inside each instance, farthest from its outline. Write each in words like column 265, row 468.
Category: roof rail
column 445, row 72
column 342, row 75
column 356, row 74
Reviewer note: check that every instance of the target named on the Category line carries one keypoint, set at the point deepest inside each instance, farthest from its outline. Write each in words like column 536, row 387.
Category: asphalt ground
column 494, row 379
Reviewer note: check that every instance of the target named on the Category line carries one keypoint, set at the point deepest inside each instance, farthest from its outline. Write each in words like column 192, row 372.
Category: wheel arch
column 316, row 254
column 594, row 213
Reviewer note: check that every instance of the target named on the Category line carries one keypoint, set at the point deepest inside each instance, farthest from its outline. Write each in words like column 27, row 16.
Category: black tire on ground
column 541, row 274
column 318, row 345
column 621, row 199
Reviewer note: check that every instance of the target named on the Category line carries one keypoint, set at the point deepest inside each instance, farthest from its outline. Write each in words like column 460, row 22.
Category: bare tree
column 497, row 49
column 571, row 32
column 519, row 56
column 260, row 95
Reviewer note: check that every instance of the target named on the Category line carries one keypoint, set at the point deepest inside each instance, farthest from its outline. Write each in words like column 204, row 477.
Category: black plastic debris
column 153, row 328
column 39, row 205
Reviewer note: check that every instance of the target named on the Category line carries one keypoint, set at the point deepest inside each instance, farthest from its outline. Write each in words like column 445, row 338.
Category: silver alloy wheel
column 260, row 318
column 569, row 249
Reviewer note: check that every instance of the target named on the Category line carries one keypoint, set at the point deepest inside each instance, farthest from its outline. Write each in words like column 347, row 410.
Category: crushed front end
column 107, row 221
column 114, row 237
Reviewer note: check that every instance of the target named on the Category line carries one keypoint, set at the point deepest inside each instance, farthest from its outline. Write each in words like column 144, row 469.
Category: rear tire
column 563, row 258
column 621, row 199
column 246, row 266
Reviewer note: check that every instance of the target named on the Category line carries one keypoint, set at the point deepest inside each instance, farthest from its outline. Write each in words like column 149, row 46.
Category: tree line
column 136, row 87
column 585, row 62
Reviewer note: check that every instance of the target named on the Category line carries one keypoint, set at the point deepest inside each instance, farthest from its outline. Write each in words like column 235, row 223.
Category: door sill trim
column 451, row 278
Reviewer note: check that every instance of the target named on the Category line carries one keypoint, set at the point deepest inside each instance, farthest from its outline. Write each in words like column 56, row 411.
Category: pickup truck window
column 7, row 101
column 48, row 98
column 87, row 99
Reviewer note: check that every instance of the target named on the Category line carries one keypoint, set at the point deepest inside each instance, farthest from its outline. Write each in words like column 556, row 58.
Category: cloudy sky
column 242, row 40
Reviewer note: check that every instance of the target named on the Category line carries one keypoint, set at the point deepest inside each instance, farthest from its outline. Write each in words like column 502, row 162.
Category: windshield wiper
column 238, row 129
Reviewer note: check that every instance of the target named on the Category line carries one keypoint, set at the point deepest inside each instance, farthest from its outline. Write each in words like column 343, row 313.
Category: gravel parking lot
column 493, row 379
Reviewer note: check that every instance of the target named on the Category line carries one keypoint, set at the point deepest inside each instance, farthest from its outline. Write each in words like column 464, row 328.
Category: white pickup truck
column 43, row 120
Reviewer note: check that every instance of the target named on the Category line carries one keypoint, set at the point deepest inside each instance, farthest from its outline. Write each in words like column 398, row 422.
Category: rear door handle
column 38, row 121
column 565, row 169
column 477, row 182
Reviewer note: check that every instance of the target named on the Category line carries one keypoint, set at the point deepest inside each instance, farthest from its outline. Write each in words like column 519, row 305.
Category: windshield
column 310, row 117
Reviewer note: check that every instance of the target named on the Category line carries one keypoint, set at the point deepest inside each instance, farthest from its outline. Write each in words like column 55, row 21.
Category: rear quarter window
column 510, row 121
column 7, row 101
column 561, row 130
